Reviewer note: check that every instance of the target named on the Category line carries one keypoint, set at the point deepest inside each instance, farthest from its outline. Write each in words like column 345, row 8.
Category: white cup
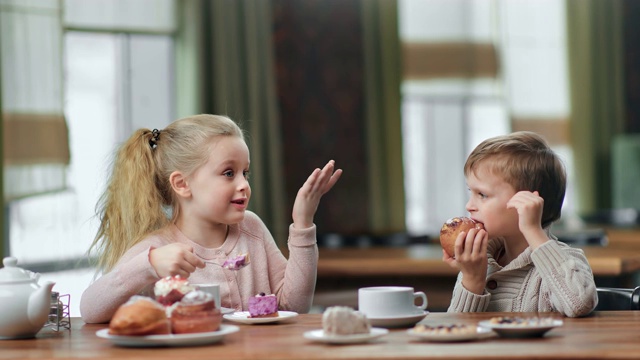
column 213, row 289
column 390, row 301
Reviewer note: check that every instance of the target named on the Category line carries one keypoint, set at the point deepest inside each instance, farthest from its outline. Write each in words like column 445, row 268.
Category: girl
column 517, row 186
column 196, row 170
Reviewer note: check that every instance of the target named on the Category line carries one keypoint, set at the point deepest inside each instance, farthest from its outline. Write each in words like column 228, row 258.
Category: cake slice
column 263, row 305
column 236, row 262
column 343, row 320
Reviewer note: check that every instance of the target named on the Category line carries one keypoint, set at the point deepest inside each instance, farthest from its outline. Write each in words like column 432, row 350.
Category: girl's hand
column 470, row 259
column 174, row 259
column 308, row 198
column 529, row 206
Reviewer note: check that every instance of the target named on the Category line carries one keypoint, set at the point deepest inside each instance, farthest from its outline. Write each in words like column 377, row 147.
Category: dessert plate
column 225, row 310
column 319, row 335
column 169, row 340
column 480, row 333
column 397, row 321
column 521, row 330
column 243, row 317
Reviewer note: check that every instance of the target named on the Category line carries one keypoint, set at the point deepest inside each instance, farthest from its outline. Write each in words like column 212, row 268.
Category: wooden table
column 342, row 271
column 427, row 260
column 604, row 335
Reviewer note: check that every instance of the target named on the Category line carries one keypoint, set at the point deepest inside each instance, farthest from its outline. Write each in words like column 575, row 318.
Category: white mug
column 213, row 289
column 390, row 301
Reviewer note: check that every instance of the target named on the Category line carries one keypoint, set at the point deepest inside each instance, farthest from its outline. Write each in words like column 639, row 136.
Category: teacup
column 390, row 301
column 213, row 289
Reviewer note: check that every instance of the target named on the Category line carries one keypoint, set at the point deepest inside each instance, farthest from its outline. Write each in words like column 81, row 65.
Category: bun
column 195, row 313
column 140, row 316
column 452, row 228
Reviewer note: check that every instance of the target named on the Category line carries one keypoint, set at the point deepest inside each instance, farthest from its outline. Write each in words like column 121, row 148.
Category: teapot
column 25, row 304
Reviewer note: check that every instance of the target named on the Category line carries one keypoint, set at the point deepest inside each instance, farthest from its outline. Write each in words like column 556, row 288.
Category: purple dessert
column 263, row 305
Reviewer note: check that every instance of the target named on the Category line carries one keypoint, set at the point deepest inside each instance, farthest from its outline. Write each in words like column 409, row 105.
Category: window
column 503, row 69
column 114, row 83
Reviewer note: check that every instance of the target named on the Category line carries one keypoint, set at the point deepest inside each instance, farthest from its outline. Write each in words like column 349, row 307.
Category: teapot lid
column 12, row 273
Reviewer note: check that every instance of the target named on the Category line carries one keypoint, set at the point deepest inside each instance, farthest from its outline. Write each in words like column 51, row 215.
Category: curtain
column 382, row 78
column 293, row 74
column 229, row 45
column 596, row 84
column 35, row 136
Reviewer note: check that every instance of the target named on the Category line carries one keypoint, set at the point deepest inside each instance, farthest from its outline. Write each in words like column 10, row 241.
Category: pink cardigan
column 292, row 281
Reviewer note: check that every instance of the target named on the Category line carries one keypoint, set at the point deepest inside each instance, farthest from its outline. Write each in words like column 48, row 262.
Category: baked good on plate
column 195, row 312
column 140, row 316
column 263, row 305
column 171, row 289
column 452, row 228
column 517, row 321
column 452, row 329
column 343, row 320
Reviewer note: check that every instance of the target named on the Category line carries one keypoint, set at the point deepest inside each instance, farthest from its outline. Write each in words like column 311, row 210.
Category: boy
column 517, row 185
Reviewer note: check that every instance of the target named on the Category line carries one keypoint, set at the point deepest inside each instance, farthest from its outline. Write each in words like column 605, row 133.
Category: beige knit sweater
column 554, row 277
column 293, row 280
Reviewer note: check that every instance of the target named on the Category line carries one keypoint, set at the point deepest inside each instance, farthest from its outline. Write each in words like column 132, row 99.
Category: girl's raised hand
column 174, row 259
column 308, row 198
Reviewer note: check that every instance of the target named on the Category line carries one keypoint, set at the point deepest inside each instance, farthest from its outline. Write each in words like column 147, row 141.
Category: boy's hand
column 470, row 259
column 529, row 206
column 174, row 259
column 308, row 198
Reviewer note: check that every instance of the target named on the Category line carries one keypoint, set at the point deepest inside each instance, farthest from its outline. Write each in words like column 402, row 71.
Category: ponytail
column 131, row 206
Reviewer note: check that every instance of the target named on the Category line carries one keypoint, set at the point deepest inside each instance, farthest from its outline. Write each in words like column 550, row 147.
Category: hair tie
column 153, row 142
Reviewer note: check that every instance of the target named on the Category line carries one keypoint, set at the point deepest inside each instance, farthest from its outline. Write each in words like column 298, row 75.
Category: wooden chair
column 618, row 298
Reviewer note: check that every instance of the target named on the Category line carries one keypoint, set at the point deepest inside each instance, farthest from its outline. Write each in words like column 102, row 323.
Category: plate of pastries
column 181, row 316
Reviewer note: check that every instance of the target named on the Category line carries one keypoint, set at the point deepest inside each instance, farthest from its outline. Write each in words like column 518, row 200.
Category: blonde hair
column 525, row 161
column 133, row 204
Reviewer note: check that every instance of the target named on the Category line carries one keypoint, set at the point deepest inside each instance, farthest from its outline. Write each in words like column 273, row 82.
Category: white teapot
column 25, row 304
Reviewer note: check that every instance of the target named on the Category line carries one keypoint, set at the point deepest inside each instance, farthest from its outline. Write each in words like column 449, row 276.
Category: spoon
column 233, row 263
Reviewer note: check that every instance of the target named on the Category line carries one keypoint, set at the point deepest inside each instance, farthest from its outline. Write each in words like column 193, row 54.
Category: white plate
column 481, row 333
column 225, row 310
column 319, row 335
column 518, row 331
column 243, row 317
column 169, row 340
column 397, row 321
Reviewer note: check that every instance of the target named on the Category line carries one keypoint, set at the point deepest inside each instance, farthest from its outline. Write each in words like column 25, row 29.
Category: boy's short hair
column 525, row 161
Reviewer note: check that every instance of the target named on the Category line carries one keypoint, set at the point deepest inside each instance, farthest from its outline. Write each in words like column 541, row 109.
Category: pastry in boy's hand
column 138, row 317
column 452, row 228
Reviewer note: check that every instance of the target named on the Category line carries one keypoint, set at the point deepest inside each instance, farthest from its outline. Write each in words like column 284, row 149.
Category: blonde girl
column 176, row 202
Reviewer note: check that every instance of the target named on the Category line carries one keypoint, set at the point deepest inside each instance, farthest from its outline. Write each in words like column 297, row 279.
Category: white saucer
column 520, row 331
column 397, row 321
column 225, row 310
column 480, row 333
column 243, row 317
column 169, row 340
column 319, row 335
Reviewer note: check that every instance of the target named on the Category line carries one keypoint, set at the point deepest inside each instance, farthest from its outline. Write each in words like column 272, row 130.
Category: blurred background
column 398, row 92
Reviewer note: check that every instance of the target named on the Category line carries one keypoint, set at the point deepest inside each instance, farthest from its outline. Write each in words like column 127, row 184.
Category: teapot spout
column 40, row 304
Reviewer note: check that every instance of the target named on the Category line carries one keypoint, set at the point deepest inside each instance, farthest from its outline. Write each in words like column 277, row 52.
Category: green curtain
column 595, row 45
column 383, row 75
column 4, row 237
column 225, row 49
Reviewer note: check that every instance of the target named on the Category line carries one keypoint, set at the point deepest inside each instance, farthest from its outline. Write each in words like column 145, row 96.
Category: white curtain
column 35, row 140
